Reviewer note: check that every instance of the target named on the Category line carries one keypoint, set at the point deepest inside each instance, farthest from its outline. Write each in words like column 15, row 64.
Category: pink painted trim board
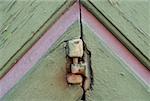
column 38, row 50
column 114, row 44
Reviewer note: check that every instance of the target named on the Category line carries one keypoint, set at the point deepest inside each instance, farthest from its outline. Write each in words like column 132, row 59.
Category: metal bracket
column 78, row 73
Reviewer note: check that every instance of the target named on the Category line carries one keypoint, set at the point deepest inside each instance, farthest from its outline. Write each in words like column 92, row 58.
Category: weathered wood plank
column 112, row 82
column 47, row 80
column 24, row 23
column 128, row 21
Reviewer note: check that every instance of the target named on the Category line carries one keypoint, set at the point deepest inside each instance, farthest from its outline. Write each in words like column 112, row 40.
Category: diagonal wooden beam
column 29, row 36
column 118, row 33
column 133, row 64
column 38, row 50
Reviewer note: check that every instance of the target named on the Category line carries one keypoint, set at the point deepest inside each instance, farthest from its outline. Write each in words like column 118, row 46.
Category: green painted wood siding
column 112, row 80
column 20, row 20
column 131, row 17
column 22, row 23
column 47, row 80
column 128, row 20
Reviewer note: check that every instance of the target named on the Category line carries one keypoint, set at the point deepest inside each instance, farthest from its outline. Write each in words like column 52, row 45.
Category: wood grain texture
column 128, row 20
column 30, row 58
column 47, row 80
column 23, row 23
column 112, row 82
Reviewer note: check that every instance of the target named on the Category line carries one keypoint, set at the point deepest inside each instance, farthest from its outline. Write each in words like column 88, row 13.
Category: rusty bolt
column 75, row 60
column 74, row 79
column 75, row 48
column 78, row 68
